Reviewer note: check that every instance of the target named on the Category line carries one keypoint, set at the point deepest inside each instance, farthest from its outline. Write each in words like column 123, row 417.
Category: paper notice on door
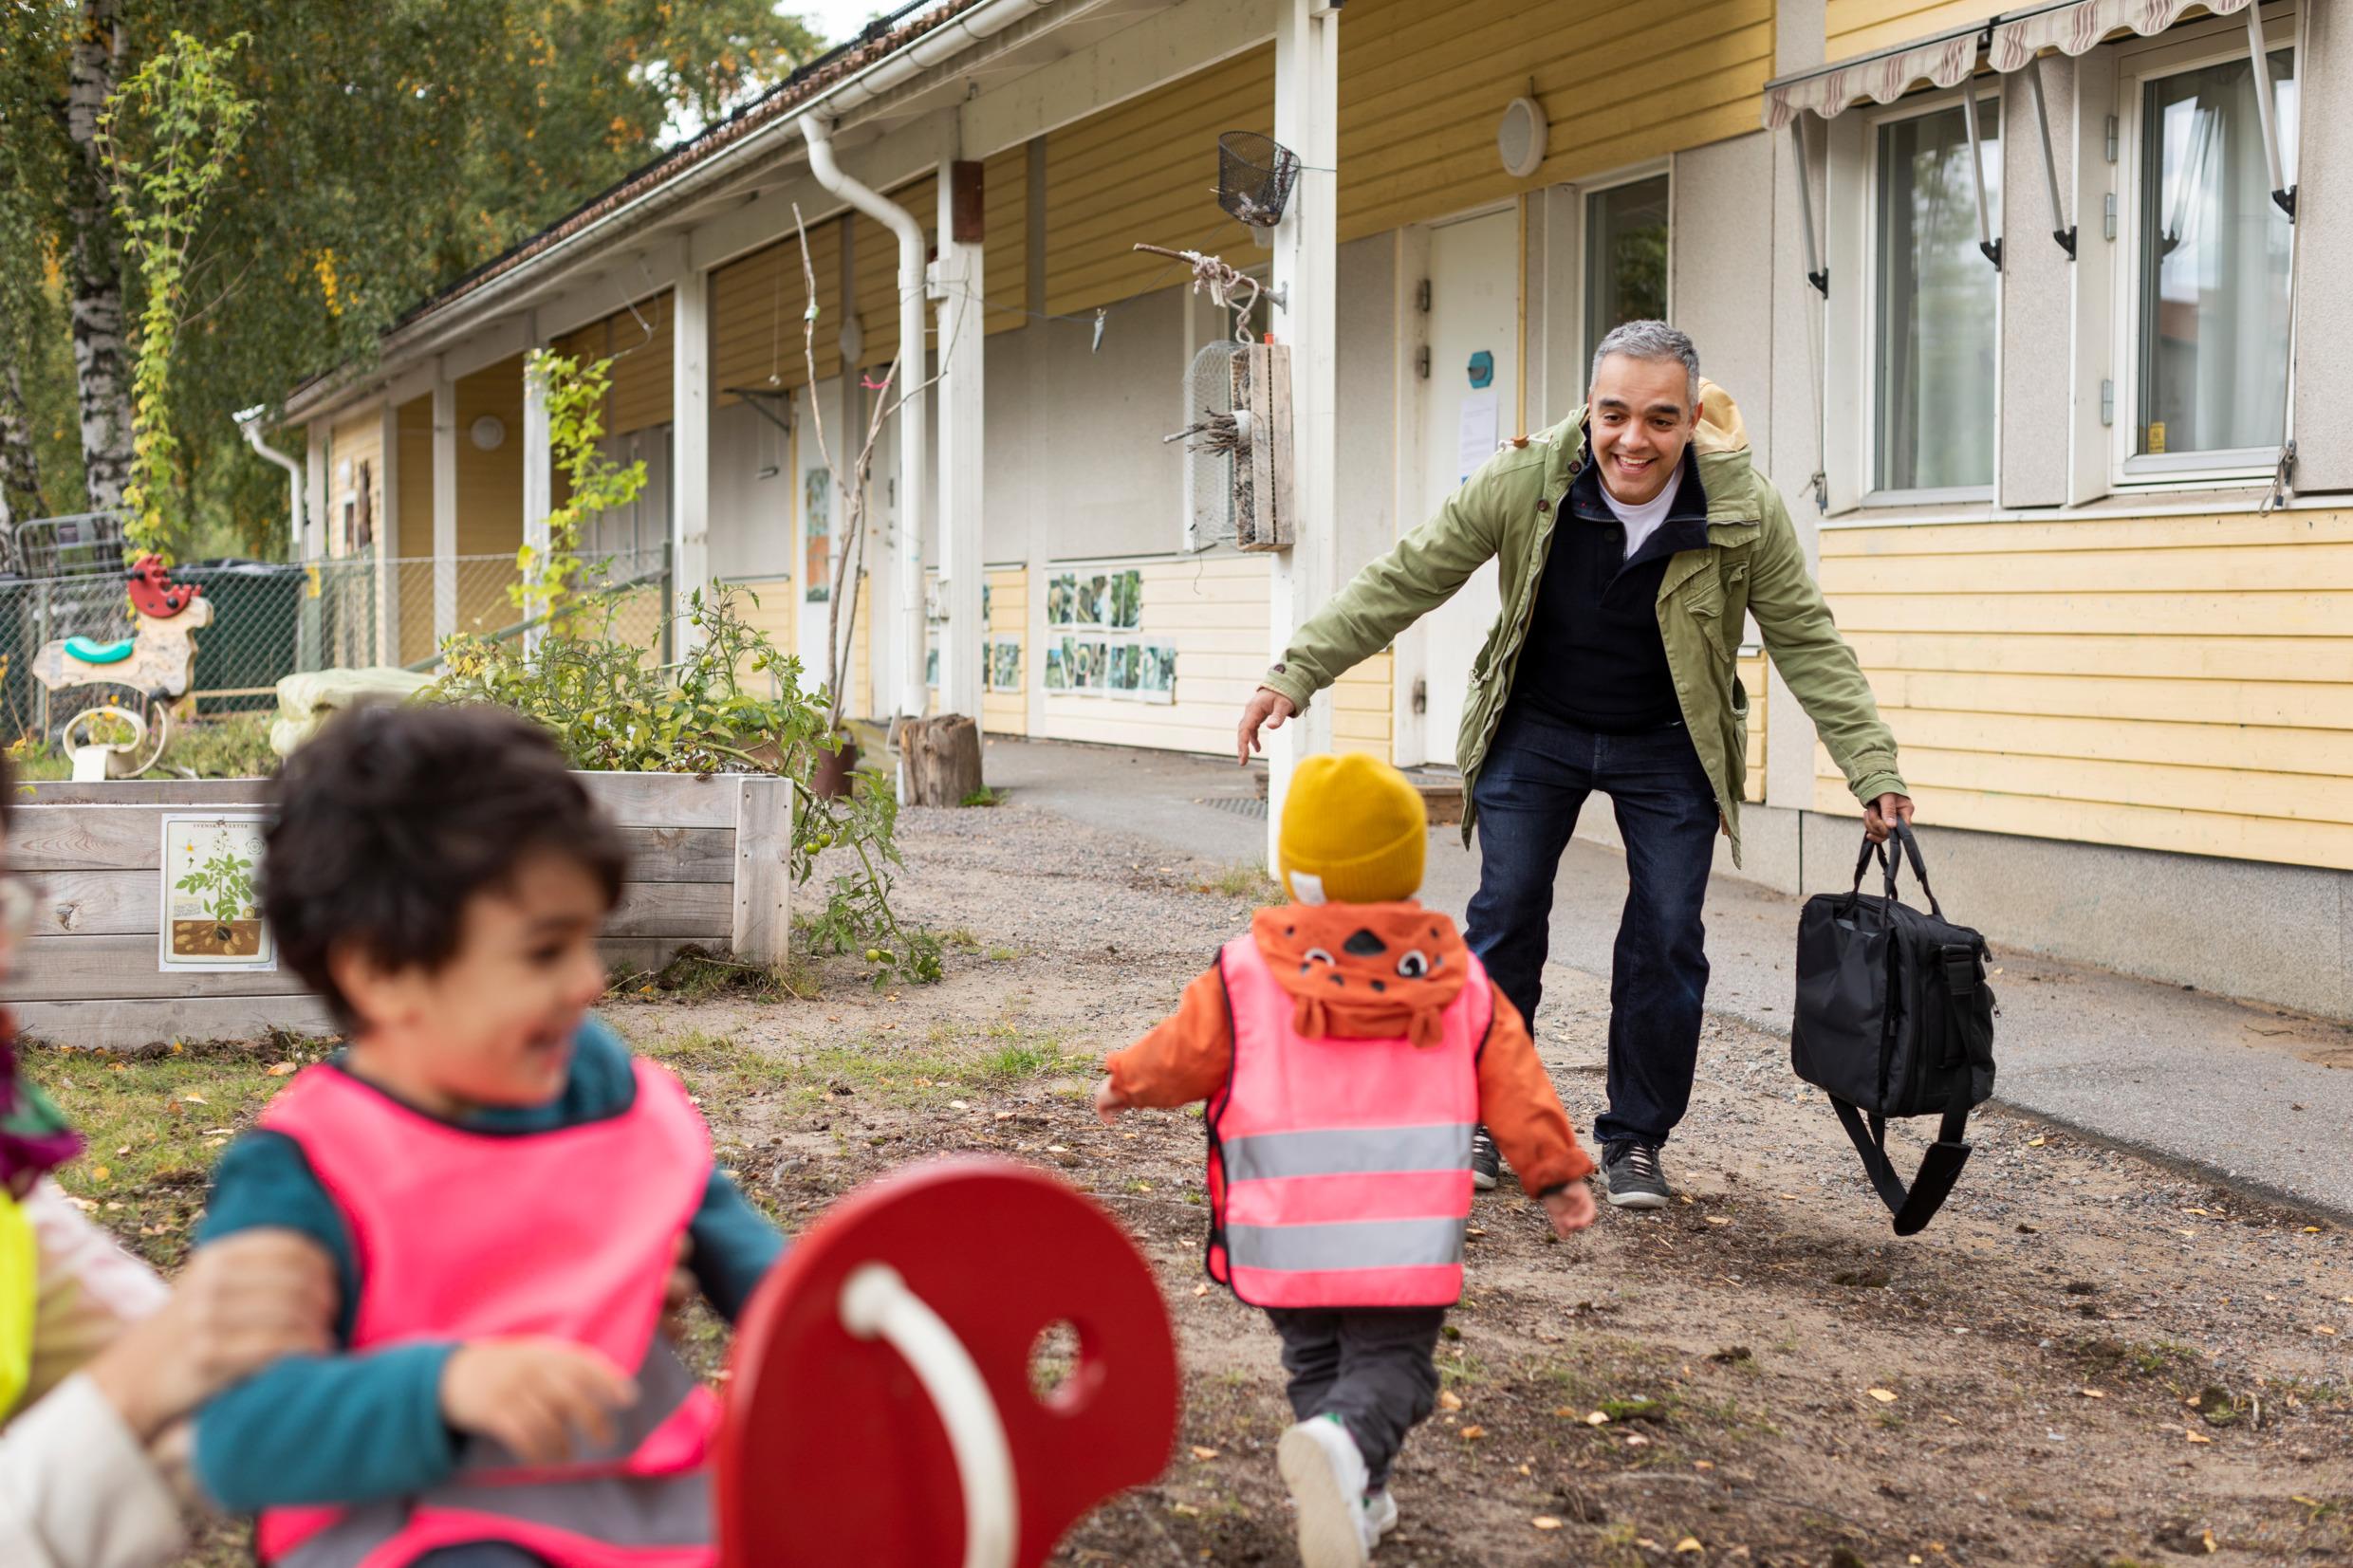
column 1476, row 441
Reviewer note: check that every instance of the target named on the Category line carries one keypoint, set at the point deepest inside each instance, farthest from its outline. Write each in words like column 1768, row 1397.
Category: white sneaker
column 1379, row 1517
column 1327, row 1477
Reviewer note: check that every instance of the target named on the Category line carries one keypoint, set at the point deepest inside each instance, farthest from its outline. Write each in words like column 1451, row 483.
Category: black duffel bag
column 1894, row 1019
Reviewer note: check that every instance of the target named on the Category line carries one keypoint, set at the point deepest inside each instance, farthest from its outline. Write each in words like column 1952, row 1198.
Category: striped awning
column 2076, row 27
column 1944, row 61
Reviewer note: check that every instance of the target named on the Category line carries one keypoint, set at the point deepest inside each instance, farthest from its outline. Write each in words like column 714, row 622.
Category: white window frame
column 1865, row 457
column 1583, row 191
column 2137, row 65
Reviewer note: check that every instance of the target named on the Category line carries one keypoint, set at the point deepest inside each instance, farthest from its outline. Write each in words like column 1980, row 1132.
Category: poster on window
column 212, row 915
column 1088, row 667
column 1062, row 600
column 1057, row 667
column 1004, row 665
column 817, row 511
column 1156, row 673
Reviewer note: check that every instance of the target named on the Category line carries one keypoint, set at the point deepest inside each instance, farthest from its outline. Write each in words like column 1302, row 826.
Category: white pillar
column 690, row 439
column 538, row 477
column 962, row 330
column 312, row 546
column 1307, row 267
column 388, row 537
column 444, row 505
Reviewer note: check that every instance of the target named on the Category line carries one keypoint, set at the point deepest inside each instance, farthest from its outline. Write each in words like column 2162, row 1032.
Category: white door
column 1470, row 402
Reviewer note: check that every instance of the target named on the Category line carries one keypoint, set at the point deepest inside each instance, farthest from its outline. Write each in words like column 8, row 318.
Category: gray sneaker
column 1486, row 1160
column 1633, row 1171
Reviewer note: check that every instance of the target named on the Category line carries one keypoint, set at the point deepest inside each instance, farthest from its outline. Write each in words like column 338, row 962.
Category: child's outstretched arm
column 735, row 1246
column 1186, row 1057
column 1523, row 1112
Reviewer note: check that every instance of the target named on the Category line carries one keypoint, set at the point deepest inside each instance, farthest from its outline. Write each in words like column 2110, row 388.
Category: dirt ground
column 2089, row 1359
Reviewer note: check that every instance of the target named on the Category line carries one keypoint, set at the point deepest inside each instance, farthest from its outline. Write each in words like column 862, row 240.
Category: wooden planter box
column 711, row 866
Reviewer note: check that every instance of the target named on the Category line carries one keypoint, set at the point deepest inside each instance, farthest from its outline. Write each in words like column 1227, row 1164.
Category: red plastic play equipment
column 881, row 1410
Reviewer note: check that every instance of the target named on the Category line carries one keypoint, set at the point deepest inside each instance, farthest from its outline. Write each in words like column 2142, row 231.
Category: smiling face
column 493, row 1027
column 1642, row 416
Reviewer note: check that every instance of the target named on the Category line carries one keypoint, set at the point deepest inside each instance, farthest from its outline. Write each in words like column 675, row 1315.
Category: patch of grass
column 2140, row 1359
column 962, row 938
column 1003, row 955
column 1244, row 881
column 695, row 975
column 983, row 796
column 153, row 1123
column 948, row 1062
column 235, row 745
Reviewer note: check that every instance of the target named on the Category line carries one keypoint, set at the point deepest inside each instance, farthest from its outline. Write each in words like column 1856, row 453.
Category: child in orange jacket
column 1348, row 1048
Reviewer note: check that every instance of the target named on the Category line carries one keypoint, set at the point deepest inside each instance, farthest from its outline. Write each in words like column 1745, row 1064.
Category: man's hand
column 534, row 1395
column 1108, row 1103
column 1570, row 1210
column 1267, row 707
column 1880, row 817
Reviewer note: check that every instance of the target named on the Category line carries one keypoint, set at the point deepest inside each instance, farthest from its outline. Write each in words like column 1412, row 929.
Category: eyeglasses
column 20, row 905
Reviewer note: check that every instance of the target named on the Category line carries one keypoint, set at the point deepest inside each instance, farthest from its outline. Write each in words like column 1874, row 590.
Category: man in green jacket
column 1633, row 540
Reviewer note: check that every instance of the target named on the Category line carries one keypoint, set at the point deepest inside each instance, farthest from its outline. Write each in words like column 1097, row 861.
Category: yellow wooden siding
column 1865, row 27
column 415, row 499
column 1214, row 610
column 1364, row 707
column 771, row 614
column 640, row 396
column 757, row 309
column 876, row 272
column 862, row 672
column 1423, row 82
column 489, row 495
column 2177, row 684
column 357, row 440
column 1147, row 170
column 1007, row 712
column 1750, row 670
column 1004, row 254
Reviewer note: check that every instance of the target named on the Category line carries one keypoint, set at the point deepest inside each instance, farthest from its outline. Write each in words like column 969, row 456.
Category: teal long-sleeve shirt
column 344, row 1429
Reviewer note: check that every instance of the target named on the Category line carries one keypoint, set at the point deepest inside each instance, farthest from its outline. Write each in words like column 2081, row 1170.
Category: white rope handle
column 876, row 1304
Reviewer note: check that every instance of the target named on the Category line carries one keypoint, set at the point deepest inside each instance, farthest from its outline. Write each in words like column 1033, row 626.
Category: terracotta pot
column 831, row 778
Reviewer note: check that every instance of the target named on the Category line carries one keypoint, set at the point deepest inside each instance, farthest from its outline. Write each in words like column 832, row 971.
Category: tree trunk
column 93, row 265
column 942, row 760
column 19, row 467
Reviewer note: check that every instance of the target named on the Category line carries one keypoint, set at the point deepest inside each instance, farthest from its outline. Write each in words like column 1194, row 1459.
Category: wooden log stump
column 942, row 758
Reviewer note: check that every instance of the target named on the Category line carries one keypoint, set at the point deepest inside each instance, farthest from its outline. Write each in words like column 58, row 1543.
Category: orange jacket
column 1187, row 1056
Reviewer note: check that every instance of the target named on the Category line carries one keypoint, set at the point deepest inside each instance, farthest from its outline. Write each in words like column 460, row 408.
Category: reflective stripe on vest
column 585, row 1260
column 1340, row 1169
column 20, row 1270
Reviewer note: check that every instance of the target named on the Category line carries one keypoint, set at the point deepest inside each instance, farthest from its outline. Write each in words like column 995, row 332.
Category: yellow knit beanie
column 1352, row 832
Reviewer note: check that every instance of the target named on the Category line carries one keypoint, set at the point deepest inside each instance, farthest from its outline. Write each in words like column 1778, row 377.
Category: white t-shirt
column 1642, row 521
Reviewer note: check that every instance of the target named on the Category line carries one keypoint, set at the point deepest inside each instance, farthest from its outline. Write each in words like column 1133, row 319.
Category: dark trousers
column 483, row 1554
column 1536, row 778
column 1372, row 1367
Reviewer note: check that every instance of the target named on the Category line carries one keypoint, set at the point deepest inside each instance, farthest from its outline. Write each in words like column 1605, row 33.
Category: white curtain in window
column 1935, row 381
column 2213, row 261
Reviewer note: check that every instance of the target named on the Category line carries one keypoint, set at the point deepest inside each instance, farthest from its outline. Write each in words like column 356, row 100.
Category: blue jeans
column 1537, row 775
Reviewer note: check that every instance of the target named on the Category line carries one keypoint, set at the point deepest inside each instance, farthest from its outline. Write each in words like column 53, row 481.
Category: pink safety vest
column 466, row 1236
column 1340, row 1169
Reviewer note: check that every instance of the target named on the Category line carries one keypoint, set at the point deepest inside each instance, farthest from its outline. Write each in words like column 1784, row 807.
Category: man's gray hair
column 1654, row 341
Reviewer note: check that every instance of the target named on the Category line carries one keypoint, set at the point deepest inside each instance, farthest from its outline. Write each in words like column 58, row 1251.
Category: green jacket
column 1752, row 566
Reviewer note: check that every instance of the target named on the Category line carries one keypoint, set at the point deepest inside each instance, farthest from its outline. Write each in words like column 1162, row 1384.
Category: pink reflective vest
column 1340, row 1167
column 467, row 1236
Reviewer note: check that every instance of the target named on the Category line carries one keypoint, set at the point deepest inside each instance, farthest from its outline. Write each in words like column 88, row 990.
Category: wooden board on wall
column 1364, row 707
column 757, row 306
column 1004, row 276
column 2181, row 684
column 1865, row 27
column 1007, row 712
column 1752, row 672
column 875, row 264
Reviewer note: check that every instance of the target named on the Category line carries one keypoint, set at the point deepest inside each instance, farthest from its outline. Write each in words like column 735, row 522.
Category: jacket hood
column 1364, row 972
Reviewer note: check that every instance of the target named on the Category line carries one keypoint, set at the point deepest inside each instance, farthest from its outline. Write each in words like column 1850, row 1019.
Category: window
column 2209, row 300
column 1625, row 256
column 1935, row 299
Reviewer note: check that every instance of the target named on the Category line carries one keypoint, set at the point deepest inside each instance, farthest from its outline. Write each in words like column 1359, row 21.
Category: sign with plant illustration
column 211, row 913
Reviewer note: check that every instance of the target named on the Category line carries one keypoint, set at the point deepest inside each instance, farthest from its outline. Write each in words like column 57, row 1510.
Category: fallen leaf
column 1703, row 1465
column 2195, row 1211
column 194, row 1100
column 1715, row 1219
column 959, row 1105
column 1598, row 1418
column 2191, row 1234
column 102, row 1172
column 2322, row 1328
column 2036, row 1143
column 1885, row 1396
column 1471, row 1433
column 1636, row 1440
column 1200, row 1452
column 1185, row 1508
column 2091, row 1393
column 1689, row 1544
column 124, row 1150
column 278, row 1069
column 2196, row 1436
column 1545, row 1522
column 1449, row 1400
column 2211, row 1547
column 2311, row 1229
column 1527, row 1469
column 1790, row 1196
column 1646, row 1543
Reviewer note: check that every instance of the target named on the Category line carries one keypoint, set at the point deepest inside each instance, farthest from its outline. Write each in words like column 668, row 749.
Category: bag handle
column 1903, row 841
column 1915, row 1205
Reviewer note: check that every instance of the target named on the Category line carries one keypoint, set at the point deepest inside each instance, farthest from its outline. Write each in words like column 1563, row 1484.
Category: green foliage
column 575, row 394
column 613, row 710
column 171, row 132
column 225, row 882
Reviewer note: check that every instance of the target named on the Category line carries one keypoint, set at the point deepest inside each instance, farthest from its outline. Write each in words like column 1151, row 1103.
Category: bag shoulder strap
column 1915, row 1205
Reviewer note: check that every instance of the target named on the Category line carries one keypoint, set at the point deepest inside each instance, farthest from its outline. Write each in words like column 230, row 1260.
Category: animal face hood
column 1364, row 972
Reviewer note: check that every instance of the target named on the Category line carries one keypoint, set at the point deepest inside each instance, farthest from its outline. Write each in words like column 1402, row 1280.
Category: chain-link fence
column 271, row 620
